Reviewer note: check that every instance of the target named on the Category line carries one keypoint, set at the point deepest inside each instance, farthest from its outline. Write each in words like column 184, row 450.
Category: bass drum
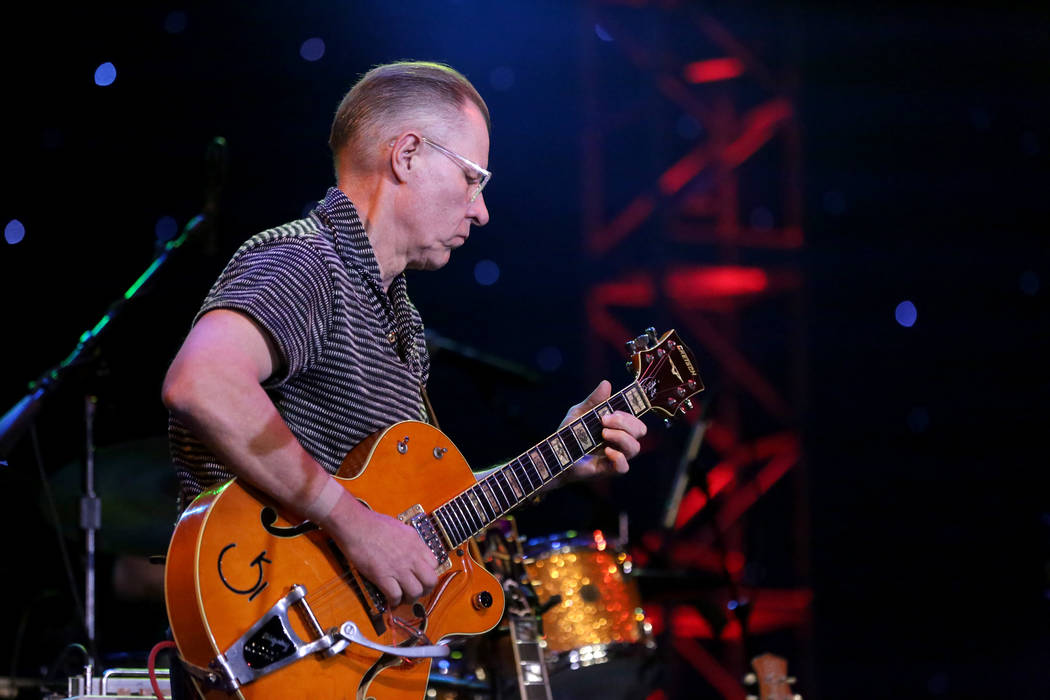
column 598, row 640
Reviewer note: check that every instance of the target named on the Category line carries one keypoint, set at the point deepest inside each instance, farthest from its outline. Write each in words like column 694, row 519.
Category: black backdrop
column 925, row 151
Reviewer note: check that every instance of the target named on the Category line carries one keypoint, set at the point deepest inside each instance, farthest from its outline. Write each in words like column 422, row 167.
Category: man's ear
column 403, row 155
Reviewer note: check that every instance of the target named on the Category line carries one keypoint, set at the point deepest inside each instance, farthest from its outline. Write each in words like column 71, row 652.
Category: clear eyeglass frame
column 467, row 164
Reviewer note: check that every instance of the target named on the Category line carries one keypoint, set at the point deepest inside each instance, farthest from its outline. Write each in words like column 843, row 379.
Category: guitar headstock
column 665, row 370
column 771, row 675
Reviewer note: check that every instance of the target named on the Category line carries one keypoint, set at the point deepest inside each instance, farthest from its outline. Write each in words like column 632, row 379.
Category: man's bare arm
column 214, row 386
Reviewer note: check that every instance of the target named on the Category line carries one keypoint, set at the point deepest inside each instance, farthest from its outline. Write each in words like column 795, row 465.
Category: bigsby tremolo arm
column 271, row 644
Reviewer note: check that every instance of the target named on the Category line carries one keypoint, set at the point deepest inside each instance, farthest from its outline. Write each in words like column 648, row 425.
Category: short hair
column 388, row 95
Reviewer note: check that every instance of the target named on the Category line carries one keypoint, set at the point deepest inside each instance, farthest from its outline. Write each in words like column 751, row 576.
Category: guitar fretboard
column 469, row 513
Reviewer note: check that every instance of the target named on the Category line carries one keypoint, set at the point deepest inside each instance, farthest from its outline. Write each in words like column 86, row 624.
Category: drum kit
column 573, row 627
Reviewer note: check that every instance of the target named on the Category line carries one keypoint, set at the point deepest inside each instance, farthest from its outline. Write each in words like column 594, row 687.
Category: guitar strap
column 431, row 416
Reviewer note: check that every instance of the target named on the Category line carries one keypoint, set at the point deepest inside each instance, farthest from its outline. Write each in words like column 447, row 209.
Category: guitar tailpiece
column 349, row 632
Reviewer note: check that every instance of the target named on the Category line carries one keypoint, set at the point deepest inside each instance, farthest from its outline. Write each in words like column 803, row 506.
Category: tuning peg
column 650, row 332
column 667, row 422
column 687, row 405
column 632, row 346
column 750, row 679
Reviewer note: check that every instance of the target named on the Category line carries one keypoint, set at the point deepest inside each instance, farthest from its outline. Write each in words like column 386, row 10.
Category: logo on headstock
column 685, row 359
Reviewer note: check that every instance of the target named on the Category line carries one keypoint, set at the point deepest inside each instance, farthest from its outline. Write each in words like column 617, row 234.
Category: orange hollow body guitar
column 263, row 605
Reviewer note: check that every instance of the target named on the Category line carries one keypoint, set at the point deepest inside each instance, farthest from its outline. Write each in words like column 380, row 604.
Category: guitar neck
column 500, row 492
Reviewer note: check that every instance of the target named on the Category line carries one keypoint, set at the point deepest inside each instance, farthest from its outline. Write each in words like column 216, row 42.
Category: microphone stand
column 19, row 418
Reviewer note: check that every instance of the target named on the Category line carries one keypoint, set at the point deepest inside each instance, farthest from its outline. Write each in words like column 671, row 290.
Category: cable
column 151, row 666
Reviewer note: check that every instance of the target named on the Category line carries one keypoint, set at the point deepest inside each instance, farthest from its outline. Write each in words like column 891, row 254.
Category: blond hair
column 388, row 97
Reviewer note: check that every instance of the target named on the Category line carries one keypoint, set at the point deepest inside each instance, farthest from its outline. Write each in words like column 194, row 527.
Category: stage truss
column 692, row 216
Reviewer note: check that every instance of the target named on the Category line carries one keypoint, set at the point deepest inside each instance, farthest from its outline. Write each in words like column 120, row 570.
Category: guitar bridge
column 427, row 529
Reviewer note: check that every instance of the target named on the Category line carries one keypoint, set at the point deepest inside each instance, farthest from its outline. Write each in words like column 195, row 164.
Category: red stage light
column 714, row 69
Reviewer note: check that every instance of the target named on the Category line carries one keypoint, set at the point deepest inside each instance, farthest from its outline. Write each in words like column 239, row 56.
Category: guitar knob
column 750, row 679
column 482, row 600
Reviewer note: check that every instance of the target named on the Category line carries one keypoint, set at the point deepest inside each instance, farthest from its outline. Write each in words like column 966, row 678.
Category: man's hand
column 622, row 431
column 384, row 550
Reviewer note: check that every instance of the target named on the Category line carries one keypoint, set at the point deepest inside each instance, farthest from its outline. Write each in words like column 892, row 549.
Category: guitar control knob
column 482, row 600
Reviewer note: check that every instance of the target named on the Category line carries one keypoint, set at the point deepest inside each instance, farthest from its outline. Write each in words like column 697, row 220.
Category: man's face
column 441, row 213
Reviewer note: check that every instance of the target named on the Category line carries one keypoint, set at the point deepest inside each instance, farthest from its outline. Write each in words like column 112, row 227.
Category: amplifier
column 116, row 682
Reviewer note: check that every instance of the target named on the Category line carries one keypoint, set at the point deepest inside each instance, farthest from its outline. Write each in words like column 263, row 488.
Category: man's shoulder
column 302, row 237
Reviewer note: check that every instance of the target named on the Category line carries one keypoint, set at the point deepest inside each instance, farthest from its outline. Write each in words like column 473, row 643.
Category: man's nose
column 477, row 212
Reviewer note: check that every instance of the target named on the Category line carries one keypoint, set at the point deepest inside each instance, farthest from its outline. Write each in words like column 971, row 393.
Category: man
column 308, row 342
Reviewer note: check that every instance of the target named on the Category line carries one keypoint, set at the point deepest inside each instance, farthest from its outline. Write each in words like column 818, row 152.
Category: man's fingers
column 626, row 422
column 618, row 460
column 391, row 589
column 412, row 588
column 622, row 443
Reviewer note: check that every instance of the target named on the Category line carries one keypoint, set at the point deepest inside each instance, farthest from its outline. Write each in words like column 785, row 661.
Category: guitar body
column 235, row 553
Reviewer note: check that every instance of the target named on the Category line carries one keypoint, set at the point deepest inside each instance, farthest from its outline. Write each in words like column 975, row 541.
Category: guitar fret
column 621, row 403
column 636, row 399
column 522, row 468
column 461, row 520
column 513, row 483
column 498, row 492
column 472, row 498
column 549, row 458
column 456, row 521
column 557, row 445
column 490, row 495
column 504, row 489
column 572, row 446
column 593, row 422
column 540, row 463
column 468, row 521
column 448, row 523
column 583, row 435
column 478, row 495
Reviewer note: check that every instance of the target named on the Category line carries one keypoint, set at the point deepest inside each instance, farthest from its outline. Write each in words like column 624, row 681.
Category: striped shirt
column 353, row 357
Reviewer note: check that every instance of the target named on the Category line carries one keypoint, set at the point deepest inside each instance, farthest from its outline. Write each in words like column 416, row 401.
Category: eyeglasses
column 475, row 171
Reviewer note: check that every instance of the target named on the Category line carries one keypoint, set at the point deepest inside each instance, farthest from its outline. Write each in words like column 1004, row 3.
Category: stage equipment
column 599, row 618
column 20, row 417
column 691, row 195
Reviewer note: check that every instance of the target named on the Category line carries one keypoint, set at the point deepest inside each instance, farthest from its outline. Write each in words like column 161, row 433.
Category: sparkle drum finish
column 600, row 617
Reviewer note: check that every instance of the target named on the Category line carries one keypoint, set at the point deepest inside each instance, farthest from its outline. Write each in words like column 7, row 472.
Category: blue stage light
column 14, row 232
column 105, row 74
column 486, row 273
column 165, row 229
column 906, row 314
column 312, row 49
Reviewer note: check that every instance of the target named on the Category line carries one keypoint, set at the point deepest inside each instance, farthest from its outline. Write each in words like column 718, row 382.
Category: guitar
column 262, row 604
column 503, row 555
column 770, row 673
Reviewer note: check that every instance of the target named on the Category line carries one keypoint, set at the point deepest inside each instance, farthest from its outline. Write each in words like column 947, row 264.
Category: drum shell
column 600, row 614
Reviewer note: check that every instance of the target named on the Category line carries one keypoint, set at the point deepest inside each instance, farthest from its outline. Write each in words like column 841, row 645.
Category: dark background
column 925, row 140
